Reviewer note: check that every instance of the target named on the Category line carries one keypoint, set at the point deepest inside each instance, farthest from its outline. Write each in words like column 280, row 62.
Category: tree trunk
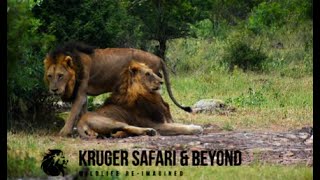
column 162, row 48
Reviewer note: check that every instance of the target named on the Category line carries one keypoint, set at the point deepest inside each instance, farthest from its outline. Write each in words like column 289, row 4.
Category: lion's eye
column 147, row 74
column 60, row 76
column 49, row 76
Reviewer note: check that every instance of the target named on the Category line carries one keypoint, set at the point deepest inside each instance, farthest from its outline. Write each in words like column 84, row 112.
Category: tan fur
column 93, row 74
column 134, row 108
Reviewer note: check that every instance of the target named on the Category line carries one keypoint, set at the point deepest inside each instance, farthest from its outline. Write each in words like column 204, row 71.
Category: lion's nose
column 54, row 90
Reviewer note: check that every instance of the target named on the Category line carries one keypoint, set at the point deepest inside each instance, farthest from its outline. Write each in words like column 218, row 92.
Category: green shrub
column 205, row 29
column 240, row 54
column 266, row 15
column 27, row 97
column 269, row 16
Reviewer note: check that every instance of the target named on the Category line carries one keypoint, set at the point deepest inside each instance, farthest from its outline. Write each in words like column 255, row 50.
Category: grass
column 286, row 104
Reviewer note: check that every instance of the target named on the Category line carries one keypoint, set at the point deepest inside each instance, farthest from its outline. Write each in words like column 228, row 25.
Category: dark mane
column 71, row 48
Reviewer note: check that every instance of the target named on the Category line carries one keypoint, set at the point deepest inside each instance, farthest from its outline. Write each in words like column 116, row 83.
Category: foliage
column 289, row 51
column 269, row 16
column 205, row 29
column 164, row 20
column 266, row 15
column 91, row 106
column 229, row 10
column 26, row 50
column 242, row 55
column 100, row 23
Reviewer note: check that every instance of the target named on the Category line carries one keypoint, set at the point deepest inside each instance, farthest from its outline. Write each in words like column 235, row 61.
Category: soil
column 285, row 148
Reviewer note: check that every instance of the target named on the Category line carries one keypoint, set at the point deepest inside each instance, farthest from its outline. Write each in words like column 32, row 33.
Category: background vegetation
column 255, row 55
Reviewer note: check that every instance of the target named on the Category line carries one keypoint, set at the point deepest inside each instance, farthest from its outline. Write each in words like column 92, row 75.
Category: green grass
column 279, row 103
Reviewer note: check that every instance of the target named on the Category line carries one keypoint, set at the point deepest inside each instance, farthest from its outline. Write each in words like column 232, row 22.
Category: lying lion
column 76, row 70
column 134, row 108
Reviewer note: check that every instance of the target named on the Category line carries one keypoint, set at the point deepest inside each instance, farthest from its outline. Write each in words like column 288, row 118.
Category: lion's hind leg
column 93, row 124
column 172, row 129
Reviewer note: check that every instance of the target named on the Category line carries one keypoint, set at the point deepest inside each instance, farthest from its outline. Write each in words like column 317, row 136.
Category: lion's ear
column 68, row 60
column 46, row 63
column 133, row 70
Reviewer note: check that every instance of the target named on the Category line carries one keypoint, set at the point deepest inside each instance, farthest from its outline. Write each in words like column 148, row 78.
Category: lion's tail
column 168, row 85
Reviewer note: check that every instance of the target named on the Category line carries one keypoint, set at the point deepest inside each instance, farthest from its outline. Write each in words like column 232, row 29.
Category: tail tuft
column 188, row 109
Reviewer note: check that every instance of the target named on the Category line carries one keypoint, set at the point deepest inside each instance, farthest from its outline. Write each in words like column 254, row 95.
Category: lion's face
column 60, row 76
column 143, row 75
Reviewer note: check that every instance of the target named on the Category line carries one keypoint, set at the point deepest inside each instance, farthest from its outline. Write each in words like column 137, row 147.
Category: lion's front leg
column 79, row 102
column 84, row 110
column 77, row 107
column 172, row 129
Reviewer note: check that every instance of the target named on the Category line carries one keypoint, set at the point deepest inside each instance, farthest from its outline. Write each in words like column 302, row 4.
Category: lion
column 76, row 70
column 134, row 108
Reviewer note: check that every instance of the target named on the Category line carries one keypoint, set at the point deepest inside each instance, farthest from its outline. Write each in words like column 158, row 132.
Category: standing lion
column 75, row 70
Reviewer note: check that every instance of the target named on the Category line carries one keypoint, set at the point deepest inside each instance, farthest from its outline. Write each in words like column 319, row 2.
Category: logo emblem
column 54, row 162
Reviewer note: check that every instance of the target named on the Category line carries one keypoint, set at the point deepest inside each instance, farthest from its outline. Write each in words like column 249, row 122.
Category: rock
column 303, row 135
column 309, row 141
column 212, row 106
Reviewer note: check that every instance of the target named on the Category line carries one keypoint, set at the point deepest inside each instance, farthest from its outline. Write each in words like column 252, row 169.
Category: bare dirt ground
column 285, row 148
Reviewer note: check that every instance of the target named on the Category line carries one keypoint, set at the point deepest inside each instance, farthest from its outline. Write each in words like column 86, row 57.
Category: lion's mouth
column 156, row 89
column 56, row 93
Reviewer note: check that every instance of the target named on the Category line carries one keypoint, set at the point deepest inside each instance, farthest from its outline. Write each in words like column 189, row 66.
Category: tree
column 164, row 20
column 99, row 23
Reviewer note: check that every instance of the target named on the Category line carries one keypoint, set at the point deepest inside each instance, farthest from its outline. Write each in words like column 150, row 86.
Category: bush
column 266, row 15
column 205, row 29
column 269, row 16
column 240, row 54
column 27, row 97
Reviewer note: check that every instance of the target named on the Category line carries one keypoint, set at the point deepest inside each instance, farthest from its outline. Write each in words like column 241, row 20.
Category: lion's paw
column 65, row 131
column 151, row 132
column 196, row 129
